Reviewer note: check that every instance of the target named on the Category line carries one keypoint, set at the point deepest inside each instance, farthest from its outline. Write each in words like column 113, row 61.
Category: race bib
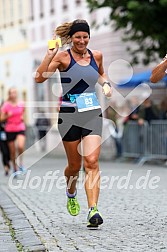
column 87, row 101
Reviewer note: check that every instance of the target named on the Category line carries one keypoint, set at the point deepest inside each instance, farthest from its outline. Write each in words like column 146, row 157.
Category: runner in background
column 12, row 112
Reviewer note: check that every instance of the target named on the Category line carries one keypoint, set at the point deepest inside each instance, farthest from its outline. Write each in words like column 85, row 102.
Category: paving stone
column 24, row 232
column 6, row 242
column 36, row 248
column 134, row 219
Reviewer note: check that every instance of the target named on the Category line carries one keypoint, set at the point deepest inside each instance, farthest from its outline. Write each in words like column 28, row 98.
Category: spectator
column 43, row 125
column 163, row 109
column 4, row 148
column 134, row 107
column 117, row 129
column 148, row 111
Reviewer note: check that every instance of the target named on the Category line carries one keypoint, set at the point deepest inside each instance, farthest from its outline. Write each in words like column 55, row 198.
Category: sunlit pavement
column 132, row 201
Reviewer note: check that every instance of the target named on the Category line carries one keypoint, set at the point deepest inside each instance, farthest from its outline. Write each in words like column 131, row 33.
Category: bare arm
column 48, row 66
column 103, row 80
column 4, row 116
column 102, row 75
column 159, row 71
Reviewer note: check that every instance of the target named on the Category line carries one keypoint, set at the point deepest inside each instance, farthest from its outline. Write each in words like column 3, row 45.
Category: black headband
column 76, row 27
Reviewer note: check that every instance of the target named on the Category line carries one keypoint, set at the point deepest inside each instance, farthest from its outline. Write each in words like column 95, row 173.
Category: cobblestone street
column 33, row 214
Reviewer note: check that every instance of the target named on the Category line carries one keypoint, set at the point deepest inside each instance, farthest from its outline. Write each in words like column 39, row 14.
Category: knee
column 20, row 149
column 74, row 166
column 91, row 163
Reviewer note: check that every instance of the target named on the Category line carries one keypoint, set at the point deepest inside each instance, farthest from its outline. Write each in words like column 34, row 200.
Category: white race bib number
column 87, row 101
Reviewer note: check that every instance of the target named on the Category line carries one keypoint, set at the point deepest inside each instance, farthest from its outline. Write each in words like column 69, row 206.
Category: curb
column 21, row 231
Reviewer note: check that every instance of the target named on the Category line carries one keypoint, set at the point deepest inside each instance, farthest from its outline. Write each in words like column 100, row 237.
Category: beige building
column 15, row 60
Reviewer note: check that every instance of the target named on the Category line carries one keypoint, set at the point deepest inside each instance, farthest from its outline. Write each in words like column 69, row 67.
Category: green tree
column 143, row 21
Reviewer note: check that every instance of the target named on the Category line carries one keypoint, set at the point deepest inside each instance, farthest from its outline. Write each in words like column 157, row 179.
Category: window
column 52, row 9
column 41, row 9
column 23, row 32
column 20, row 11
column 78, row 2
column 7, row 68
column 4, row 13
column 32, row 10
column 65, row 5
column 11, row 12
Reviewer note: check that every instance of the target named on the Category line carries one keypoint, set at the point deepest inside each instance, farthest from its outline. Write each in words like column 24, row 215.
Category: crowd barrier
column 145, row 142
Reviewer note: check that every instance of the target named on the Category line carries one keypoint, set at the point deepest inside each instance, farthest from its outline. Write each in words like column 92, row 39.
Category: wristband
column 106, row 82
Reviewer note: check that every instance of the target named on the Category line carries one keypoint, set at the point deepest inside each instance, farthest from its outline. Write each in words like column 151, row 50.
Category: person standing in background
column 148, row 111
column 163, row 109
column 4, row 149
column 12, row 112
column 43, row 124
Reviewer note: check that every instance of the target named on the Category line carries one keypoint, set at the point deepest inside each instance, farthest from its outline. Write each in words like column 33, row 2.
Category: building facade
column 15, row 57
column 25, row 28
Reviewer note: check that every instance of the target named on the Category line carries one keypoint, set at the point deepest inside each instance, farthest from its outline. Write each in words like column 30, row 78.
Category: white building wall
column 26, row 53
column 15, row 57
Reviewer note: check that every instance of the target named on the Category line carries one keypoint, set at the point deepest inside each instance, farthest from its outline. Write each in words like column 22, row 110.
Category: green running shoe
column 73, row 206
column 94, row 218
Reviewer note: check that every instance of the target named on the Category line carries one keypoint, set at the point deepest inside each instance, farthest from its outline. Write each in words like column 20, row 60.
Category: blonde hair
column 10, row 90
column 63, row 30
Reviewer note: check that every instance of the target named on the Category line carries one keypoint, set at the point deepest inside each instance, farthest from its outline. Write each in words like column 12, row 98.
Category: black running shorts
column 74, row 125
column 11, row 136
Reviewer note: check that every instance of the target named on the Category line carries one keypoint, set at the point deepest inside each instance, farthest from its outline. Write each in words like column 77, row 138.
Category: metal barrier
column 145, row 142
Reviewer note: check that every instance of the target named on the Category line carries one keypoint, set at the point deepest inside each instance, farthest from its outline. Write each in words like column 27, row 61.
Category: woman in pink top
column 12, row 112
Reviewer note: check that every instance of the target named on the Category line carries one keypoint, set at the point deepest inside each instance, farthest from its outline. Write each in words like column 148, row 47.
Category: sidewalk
column 33, row 215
